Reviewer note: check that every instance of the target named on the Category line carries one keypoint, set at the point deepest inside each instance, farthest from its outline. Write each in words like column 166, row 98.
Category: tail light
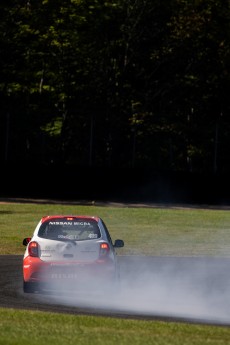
column 33, row 249
column 104, row 250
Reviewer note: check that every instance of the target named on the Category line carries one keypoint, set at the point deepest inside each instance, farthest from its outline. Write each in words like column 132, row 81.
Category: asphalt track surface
column 181, row 289
column 194, row 290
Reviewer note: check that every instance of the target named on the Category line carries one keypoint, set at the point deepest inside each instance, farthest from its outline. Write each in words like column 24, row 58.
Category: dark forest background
column 126, row 99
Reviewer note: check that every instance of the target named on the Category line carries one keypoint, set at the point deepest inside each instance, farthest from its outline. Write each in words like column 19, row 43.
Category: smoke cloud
column 189, row 288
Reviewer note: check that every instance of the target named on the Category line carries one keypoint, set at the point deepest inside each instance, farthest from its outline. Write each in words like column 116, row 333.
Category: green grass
column 38, row 328
column 146, row 231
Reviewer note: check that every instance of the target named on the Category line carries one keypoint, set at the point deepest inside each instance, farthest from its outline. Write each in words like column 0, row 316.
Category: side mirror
column 119, row 244
column 26, row 241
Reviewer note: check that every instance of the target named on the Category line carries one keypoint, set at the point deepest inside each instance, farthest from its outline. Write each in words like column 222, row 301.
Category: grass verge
column 146, row 231
column 41, row 328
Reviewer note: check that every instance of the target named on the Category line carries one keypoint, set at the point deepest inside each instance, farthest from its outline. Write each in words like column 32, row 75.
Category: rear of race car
column 81, row 257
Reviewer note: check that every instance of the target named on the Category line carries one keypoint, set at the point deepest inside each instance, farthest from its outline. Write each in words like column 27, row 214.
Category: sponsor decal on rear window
column 71, row 223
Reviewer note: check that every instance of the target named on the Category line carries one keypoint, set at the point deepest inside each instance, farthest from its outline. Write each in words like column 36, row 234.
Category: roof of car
column 45, row 218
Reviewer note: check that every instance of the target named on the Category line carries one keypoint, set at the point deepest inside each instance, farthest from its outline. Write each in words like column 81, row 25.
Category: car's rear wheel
column 29, row 287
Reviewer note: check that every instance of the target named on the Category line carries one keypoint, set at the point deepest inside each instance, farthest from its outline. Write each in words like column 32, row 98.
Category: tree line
column 125, row 83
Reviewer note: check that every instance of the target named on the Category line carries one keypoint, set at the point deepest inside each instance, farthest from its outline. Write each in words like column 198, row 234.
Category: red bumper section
column 37, row 271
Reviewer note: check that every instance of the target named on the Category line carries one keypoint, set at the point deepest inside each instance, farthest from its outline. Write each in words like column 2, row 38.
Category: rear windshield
column 76, row 230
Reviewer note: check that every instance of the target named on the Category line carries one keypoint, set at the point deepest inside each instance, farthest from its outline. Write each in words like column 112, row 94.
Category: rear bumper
column 37, row 271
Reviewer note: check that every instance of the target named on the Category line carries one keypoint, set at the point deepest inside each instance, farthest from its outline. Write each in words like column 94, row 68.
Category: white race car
column 70, row 252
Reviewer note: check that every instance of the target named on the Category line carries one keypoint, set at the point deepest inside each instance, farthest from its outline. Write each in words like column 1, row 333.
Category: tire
column 30, row 287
